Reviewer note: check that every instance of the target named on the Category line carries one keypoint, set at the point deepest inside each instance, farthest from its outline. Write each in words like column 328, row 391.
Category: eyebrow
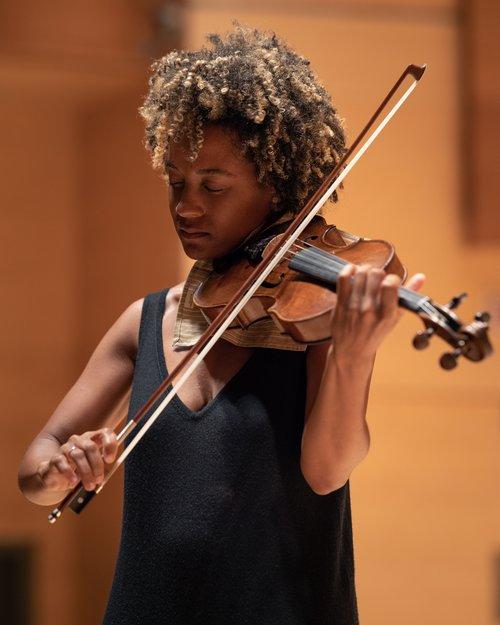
column 206, row 170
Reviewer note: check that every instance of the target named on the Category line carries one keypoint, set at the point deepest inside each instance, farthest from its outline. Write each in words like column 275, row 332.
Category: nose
column 188, row 205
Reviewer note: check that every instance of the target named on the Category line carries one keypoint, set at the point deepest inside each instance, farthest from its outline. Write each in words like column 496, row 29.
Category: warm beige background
column 85, row 231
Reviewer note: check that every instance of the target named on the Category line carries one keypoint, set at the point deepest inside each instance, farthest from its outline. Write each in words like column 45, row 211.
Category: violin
column 290, row 276
column 299, row 293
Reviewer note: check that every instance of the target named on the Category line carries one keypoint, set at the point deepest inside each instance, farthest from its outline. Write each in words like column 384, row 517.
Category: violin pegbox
column 470, row 341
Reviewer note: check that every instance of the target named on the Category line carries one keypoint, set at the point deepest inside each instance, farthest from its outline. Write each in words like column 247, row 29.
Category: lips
column 192, row 234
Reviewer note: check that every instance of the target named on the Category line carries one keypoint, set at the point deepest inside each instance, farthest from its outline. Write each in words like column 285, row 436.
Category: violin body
column 299, row 305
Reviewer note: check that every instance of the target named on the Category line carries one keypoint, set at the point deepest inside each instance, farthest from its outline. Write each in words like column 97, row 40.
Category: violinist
column 236, row 501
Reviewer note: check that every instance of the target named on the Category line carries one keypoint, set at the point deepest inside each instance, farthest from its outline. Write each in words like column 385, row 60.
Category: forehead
column 219, row 150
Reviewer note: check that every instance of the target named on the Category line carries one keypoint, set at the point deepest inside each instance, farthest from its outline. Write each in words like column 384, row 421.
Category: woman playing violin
column 237, row 505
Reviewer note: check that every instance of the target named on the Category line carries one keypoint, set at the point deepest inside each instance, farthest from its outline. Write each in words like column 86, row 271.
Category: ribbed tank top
column 219, row 525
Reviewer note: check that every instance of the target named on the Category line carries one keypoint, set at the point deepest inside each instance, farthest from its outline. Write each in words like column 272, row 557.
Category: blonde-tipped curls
column 256, row 85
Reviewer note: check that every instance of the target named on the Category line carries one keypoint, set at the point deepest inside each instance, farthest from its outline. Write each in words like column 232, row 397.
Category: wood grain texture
column 482, row 121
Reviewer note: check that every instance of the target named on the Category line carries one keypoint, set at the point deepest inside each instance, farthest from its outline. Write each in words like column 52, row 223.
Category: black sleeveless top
column 219, row 525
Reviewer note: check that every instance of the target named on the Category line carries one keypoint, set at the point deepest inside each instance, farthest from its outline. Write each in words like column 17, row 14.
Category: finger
column 66, row 471
column 344, row 284
column 358, row 288
column 83, row 470
column 371, row 298
column 389, row 294
column 94, row 458
column 46, row 474
column 416, row 282
column 109, row 444
column 43, row 468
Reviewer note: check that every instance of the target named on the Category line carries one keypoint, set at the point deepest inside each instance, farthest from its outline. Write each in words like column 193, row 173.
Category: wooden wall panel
column 329, row 6
column 481, row 58
column 39, row 321
column 425, row 512
column 85, row 231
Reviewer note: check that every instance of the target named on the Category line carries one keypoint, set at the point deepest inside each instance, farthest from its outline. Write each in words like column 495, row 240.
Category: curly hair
column 253, row 83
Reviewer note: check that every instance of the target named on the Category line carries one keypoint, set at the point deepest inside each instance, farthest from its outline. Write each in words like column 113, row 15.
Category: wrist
column 348, row 360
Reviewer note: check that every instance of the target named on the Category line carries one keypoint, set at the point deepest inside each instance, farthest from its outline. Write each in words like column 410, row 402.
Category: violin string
column 320, row 257
column 330, row 259
column 315, row 262
column 335, row 262
column 413, row 296
column 300, row 248
column 427, row 307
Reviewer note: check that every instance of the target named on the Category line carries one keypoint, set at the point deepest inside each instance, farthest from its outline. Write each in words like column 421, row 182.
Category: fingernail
column 391, row 279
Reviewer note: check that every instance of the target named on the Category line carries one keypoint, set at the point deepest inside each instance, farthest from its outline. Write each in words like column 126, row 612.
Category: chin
column 197, row 252
column 202, row 252
column 198, row 255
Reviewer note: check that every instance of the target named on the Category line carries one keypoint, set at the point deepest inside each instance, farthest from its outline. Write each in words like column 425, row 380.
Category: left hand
column 366, row 310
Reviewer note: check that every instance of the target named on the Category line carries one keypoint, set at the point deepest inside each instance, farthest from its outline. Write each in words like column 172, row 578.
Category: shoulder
column 174, row 296
column 128, row 324
column 126, row 329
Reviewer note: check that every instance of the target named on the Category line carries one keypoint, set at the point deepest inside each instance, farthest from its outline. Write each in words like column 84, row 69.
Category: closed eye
column 177, row 185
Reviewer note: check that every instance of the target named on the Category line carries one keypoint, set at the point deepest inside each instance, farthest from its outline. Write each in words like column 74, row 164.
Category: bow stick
column 78, row 498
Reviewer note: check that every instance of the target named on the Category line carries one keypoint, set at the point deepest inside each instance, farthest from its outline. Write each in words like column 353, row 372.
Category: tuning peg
column 449, row 359
column 482, row 316
column 421, row 339
column 456, row 301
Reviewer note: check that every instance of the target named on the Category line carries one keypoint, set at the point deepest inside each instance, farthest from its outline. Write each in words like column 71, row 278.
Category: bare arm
column 47, row 472
column 336, row 437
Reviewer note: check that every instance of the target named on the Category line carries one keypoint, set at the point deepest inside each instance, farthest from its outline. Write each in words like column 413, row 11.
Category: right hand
column 81, row 459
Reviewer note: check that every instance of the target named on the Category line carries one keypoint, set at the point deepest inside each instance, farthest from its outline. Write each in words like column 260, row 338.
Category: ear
column 274, row 203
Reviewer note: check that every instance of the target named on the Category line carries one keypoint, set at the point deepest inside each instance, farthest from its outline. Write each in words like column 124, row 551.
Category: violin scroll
column 470, row 341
